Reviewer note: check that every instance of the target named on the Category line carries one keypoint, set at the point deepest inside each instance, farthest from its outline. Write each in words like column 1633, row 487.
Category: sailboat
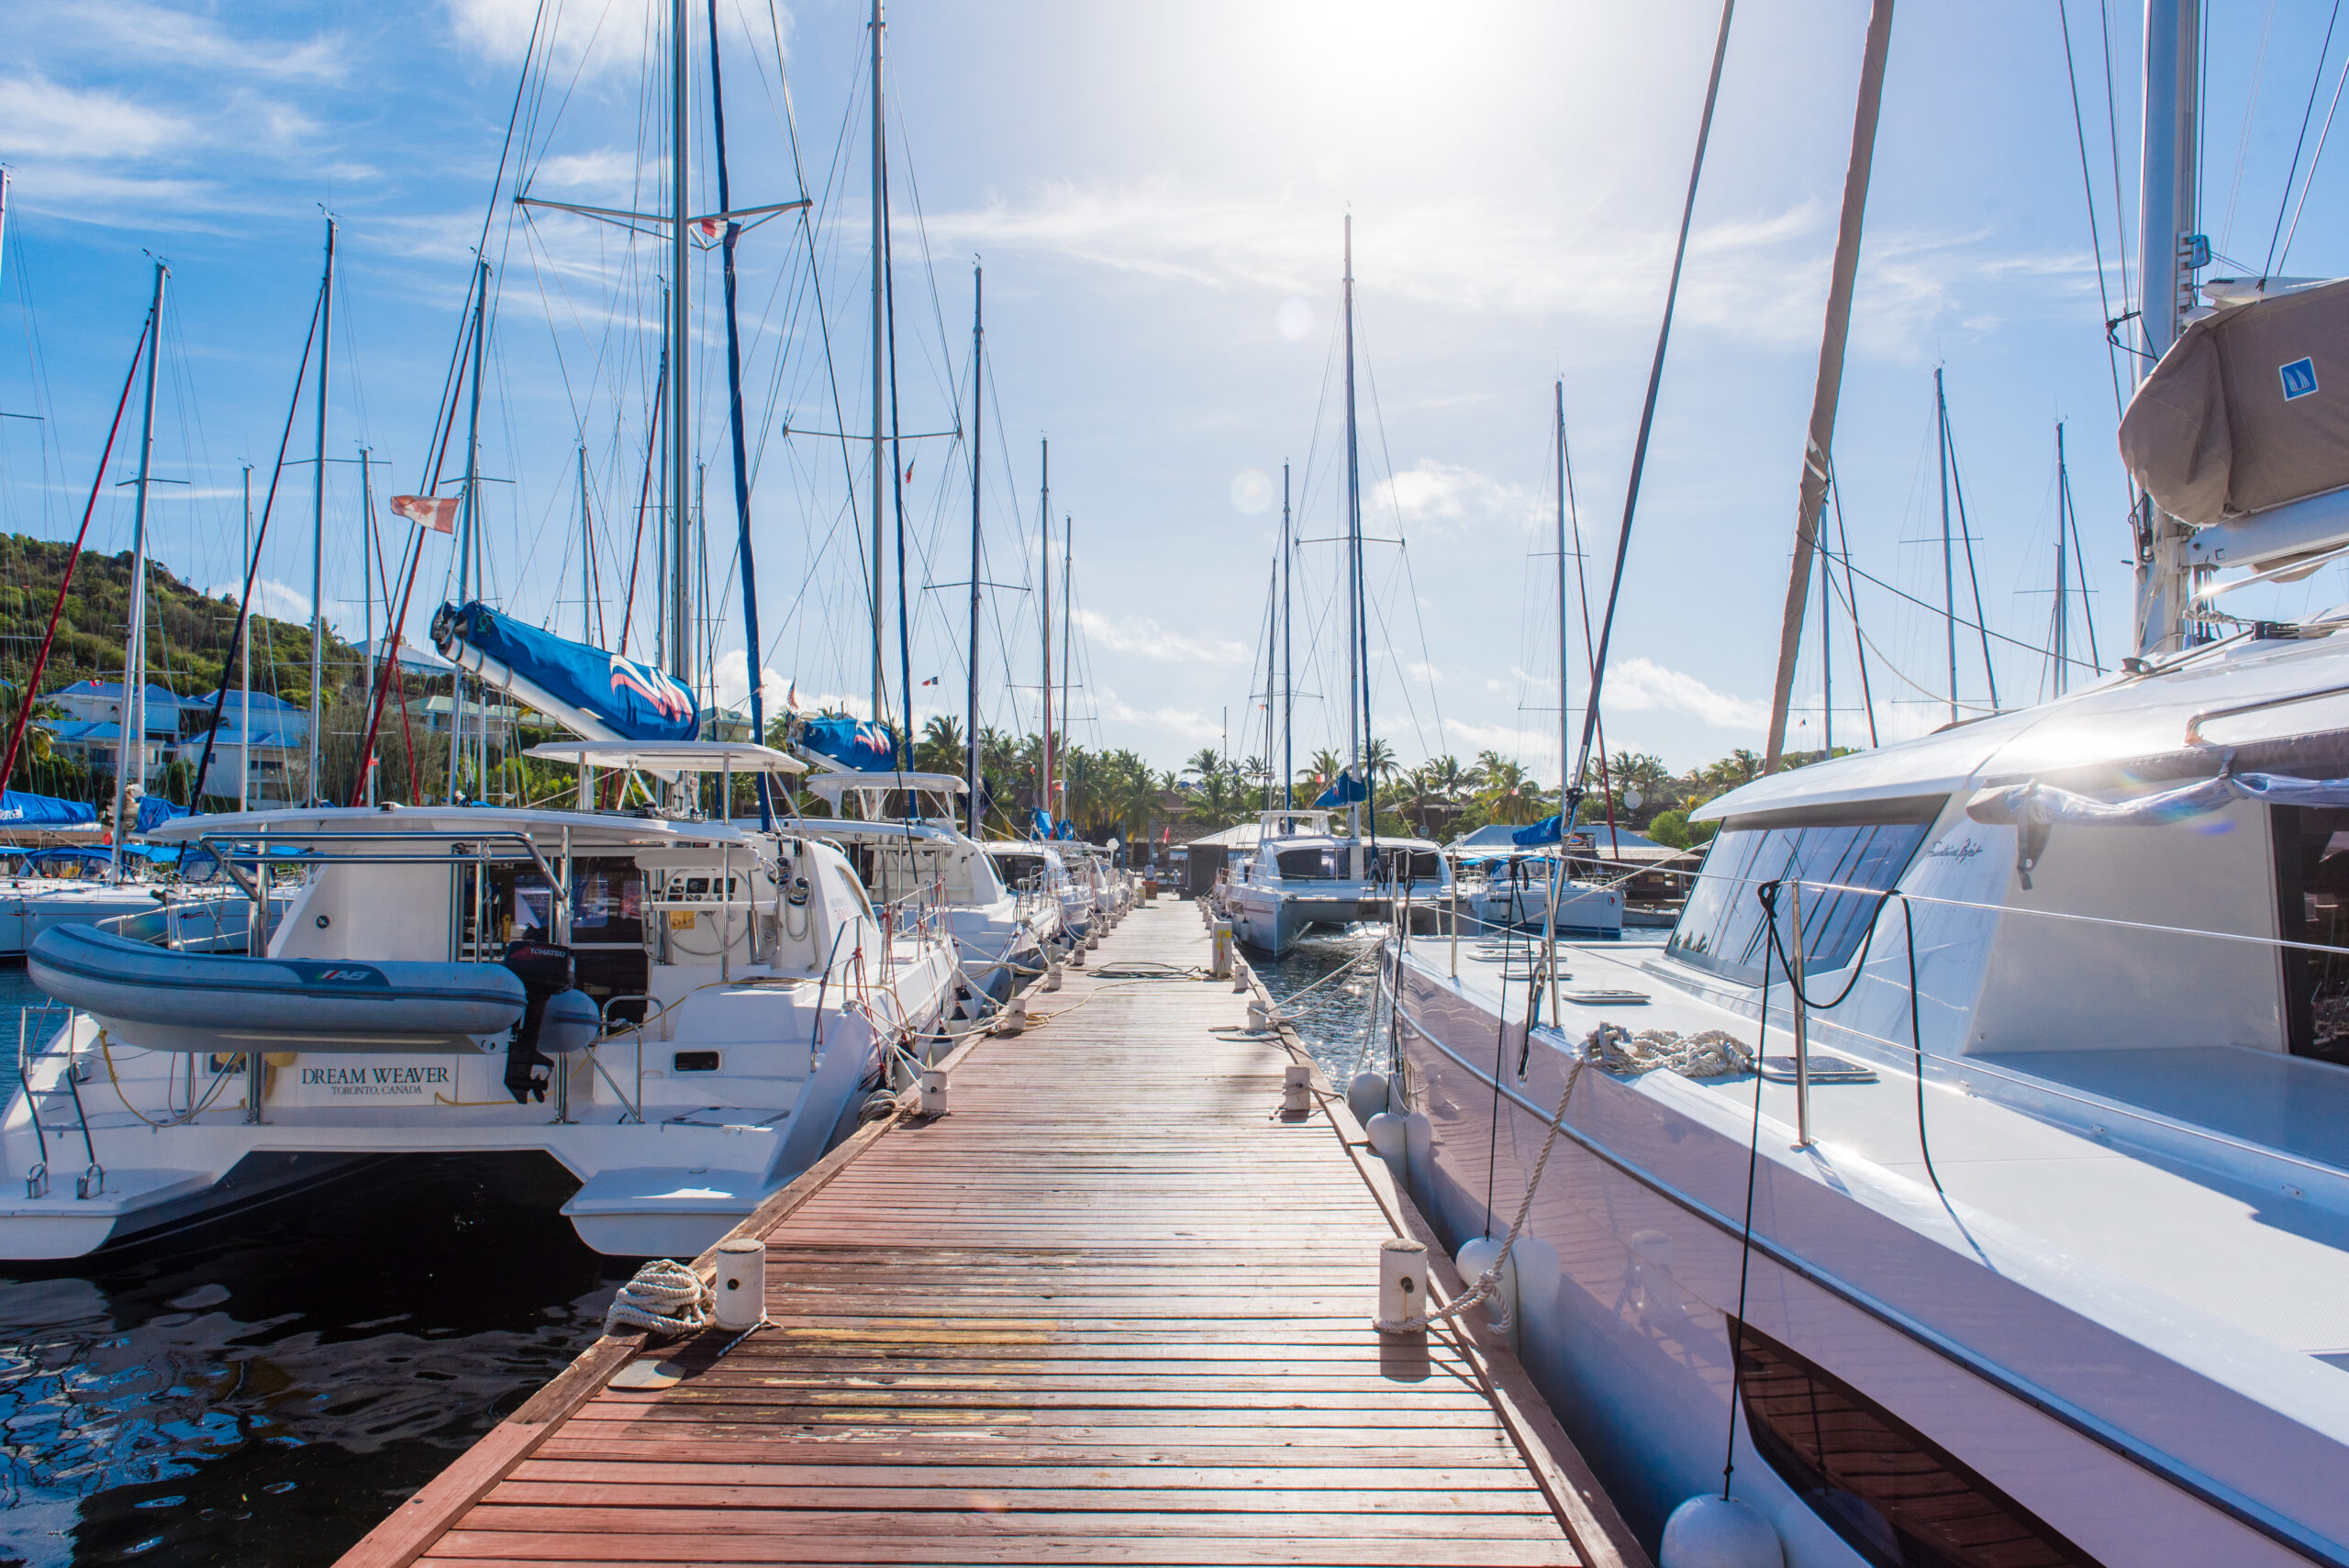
column 682, row 1010
column 1963, row 1181
column 1303, row 873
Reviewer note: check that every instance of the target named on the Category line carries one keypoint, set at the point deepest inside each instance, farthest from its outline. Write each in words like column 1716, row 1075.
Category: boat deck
column 1113, row 1306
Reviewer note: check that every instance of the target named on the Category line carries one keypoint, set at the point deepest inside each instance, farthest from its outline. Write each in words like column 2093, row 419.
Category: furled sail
column 2248, row 411
column 597, row 695
column 840, row 744
column 23, row 808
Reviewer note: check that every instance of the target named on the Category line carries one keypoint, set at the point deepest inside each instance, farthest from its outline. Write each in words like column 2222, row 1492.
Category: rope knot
column 665, row 1296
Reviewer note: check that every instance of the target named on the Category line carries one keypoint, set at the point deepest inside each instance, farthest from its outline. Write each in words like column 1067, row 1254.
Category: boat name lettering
column 375, row 1080
column 1960, row 852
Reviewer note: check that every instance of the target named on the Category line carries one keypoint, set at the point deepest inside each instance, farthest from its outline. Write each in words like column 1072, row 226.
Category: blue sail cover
column 859, row 746
column 154, row 811
column 1546, row 831
column 32, row 810
column 573, row 681
column 1345, row 791
column 1039, row 824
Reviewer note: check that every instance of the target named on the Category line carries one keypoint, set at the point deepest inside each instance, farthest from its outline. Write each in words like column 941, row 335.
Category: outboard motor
column 558, row 1018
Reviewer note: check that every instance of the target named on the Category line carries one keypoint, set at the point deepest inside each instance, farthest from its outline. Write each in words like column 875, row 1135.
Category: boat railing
column 1821, row 1008
column 37, row 1030
column 610, row 1030
column 241, row 854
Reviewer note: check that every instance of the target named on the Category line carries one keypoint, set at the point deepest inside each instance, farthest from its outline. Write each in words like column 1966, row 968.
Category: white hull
column 766, row 1023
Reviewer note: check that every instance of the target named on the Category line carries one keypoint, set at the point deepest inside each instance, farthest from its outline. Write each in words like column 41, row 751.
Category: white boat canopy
column 671, row 756
column 831, row 787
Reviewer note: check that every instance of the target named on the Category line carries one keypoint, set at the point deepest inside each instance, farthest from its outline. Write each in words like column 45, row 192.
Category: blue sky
column 1158, row 196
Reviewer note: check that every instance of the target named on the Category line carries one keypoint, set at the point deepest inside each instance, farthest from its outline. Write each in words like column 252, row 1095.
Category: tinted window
column 1897, row 1498
column 1020, row 870
column 1721, row 926
column 1317, row 865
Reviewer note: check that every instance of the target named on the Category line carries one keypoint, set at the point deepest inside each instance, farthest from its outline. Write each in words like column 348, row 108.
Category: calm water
column 263, row 1390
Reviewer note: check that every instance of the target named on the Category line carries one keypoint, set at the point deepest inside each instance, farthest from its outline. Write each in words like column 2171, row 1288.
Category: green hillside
column 188, row 635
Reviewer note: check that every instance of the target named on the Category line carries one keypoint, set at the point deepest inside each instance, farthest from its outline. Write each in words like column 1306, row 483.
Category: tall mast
column 1565, row 755
column 469, row 524
column 1044, row 622
column 1354, row 557
column 1068, row 607
column 2168, row 250
column 1289, row 665
column 586, row 583
column 880, row 305
column 978, row 420
column 364, row 785
column 1949, row 568
column 1826, row 654
column 318, row 527
column 752, row 648
column 2063, row 507
column 1818, row 461
column 245, row 664
column 682, row 662
column 131, row 756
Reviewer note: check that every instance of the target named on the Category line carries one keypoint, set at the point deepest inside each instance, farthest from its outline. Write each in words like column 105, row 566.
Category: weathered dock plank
column 1114, row 1308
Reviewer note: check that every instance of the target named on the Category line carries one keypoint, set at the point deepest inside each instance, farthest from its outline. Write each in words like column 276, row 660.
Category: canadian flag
column 435, row 512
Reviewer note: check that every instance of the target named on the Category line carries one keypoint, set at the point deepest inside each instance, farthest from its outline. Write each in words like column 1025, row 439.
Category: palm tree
column 1322, row 768
column 940, row 748
column 1380, row 756
column 1445, row 776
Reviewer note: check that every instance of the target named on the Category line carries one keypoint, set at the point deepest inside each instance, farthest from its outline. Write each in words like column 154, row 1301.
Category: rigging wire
column 2316, row 84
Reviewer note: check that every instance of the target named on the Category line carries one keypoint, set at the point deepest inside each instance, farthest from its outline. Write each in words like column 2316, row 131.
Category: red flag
column 708, row 227
column 435, row 512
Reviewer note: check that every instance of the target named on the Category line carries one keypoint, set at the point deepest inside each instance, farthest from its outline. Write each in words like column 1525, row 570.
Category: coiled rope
column 665, row 1296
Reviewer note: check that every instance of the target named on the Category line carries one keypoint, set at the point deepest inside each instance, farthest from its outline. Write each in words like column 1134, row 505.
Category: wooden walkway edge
column 1113, row 1306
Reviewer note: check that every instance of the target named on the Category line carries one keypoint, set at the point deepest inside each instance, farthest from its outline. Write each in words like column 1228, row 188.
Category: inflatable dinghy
column 163, row 1000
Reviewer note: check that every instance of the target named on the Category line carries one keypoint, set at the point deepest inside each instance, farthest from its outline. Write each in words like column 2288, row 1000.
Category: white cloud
column 279, row 601
column 606, row 168
column 1445, row 495
column 1761, row 279
column 40, row 117
column 191, row 40
column 588, row 42
column 1641, row 686
column 731, row 671
column 1140, row 635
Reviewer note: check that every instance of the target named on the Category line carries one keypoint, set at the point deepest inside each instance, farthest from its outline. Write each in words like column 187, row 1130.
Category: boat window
column 1419, row 865
column 1720, row 929
column 2312, row 884
column 1308, row 865
column 1895, row 1496
column 1020, row 870
column 607, row 901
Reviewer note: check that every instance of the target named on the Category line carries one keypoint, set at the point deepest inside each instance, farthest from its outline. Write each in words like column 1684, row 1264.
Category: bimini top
column 831, row 787
column 670, row 756
column 2269, row 703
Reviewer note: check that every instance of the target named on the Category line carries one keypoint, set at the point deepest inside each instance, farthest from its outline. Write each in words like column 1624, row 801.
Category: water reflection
column 1334, row 1020
column 267, row 1388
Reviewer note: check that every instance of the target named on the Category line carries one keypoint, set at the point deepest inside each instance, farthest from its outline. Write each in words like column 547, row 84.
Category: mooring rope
column 1489, row 1281
column 665, row 1296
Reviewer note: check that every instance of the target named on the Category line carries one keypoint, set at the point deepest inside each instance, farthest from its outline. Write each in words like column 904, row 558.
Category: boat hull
column 1631, row 1274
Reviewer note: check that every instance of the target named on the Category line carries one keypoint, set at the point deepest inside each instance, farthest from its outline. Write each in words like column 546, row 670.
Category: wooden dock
column 1112, row 1307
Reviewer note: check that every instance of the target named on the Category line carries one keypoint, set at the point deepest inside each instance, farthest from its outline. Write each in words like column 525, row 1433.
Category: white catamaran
column 1967, row 1170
